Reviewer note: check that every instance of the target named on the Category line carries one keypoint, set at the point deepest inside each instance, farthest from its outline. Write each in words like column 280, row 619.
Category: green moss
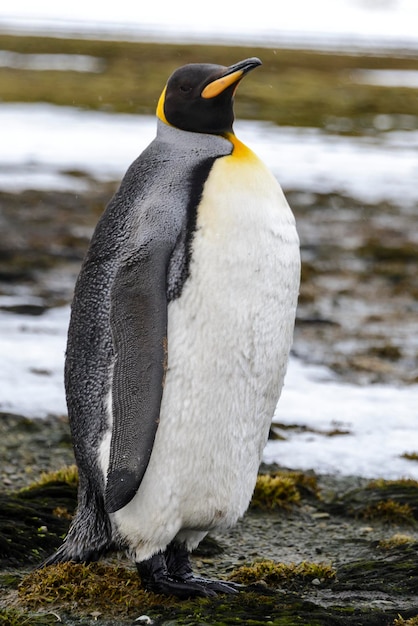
column 390, row 501
column 272, row 492
column 396, row 541
column 114, row 592
column 15, row 617
column 331, row 432
column 67, row 475
column 383, row 484
column 110, row 589
column 33, row 521
column 393, row 573
column 410, row 456
column 389, row 511
column 379, row 252
column 386, row 351
column 278, row 574
column 282, row 490
column 258, row 609
column 10, row 580
column 400, row 621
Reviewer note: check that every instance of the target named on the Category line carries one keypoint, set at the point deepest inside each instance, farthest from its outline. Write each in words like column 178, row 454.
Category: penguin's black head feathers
column 199, row 97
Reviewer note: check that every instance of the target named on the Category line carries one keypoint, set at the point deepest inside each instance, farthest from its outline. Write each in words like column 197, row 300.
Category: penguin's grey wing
column 138, row 319
column 152, row 269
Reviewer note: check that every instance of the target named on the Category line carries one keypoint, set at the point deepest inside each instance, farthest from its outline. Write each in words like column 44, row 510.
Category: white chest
column 229, row 336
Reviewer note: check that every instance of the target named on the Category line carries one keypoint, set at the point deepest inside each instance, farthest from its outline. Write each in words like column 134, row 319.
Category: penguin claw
column 219, row 586
column 190, row 588
column 180, row 589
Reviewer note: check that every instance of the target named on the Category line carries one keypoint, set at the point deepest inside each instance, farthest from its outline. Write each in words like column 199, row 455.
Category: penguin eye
column 185, row 88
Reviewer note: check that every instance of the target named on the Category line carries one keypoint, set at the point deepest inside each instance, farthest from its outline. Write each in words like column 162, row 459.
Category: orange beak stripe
column 220, row 84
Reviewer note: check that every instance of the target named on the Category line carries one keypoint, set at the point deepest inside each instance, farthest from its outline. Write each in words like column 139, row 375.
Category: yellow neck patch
column 240, row 150
column 160, row 107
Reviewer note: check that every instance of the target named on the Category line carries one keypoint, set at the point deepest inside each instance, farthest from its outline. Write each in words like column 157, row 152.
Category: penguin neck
column 239, row 149
column 216, row 145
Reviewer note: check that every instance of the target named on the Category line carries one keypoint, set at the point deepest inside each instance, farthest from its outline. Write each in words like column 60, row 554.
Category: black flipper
column 139, row 331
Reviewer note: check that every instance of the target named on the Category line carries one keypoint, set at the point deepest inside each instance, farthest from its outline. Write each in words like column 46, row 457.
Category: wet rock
column 29, row 528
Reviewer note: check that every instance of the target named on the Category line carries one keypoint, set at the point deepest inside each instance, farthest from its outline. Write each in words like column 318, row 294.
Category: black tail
column 89, row 536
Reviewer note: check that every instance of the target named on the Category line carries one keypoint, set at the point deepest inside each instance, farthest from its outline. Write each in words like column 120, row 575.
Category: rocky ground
column 357, row 314
column 372, row 549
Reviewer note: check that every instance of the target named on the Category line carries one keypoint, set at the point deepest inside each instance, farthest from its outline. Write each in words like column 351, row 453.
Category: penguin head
column 199, row 97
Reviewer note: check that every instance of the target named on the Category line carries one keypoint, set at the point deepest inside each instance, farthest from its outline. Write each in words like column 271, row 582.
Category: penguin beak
column 233, row 74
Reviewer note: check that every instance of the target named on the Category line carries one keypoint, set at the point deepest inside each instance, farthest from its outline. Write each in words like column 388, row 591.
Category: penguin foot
column 170, row 573
column 179, row 566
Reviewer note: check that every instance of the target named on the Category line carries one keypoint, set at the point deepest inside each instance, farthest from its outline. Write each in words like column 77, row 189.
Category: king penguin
column 181, row 326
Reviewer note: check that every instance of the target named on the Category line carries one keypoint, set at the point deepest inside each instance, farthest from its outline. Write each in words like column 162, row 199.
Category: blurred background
column 333, row 112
